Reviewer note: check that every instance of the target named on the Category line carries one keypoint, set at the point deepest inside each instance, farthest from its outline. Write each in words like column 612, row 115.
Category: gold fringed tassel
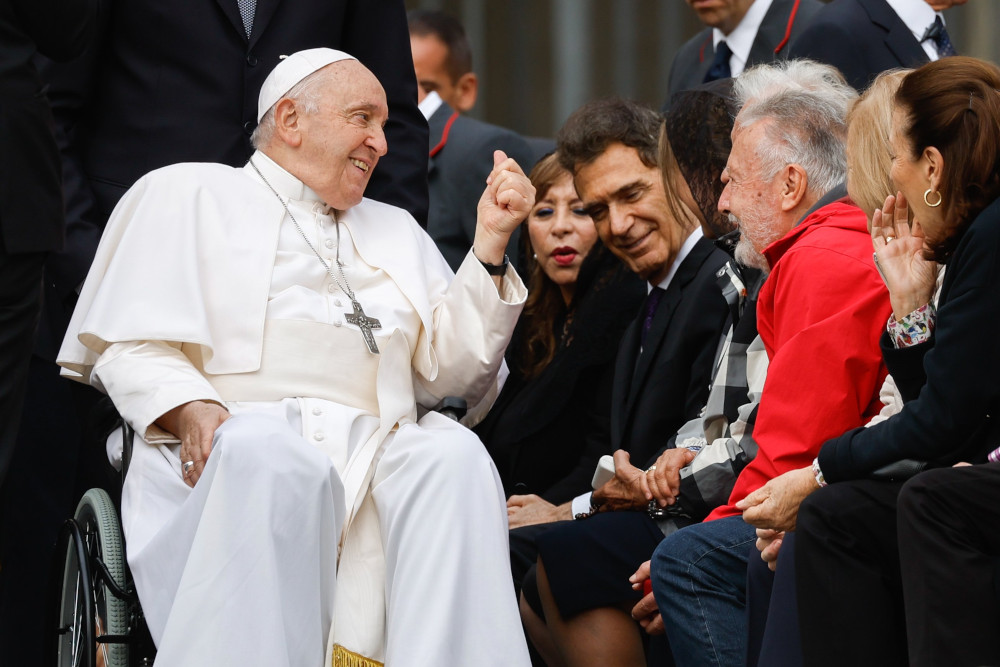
column 345, row 658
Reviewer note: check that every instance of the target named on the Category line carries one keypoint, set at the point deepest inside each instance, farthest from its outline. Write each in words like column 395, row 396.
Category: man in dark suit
column 865, row 38
column 461, row 148
column 740, row 34
column 664, row 363
column 31, row 226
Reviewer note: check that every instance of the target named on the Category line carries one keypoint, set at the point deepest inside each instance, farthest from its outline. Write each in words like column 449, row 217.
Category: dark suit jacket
column 459, row 163
column 656, row 391
column 784, row 20
column 537, row 431
column 861, row 38
column 178, row 82
column 31, row 210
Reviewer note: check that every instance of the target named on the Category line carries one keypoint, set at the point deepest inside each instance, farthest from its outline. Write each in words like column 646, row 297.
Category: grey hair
column 763, row 81
column 807, row 128
column 306, row 94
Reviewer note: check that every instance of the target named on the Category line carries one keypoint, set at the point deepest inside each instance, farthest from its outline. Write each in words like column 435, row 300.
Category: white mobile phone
column 605, row 471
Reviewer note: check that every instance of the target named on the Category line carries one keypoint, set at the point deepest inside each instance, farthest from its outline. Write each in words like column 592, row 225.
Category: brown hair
column 669, row 169
column 953, row 105
column 869, row 146
column 694, row 145
column 596, row 125
column 545, row 301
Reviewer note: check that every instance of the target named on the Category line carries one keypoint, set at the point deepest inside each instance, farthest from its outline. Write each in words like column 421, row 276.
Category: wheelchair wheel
column 88, row 611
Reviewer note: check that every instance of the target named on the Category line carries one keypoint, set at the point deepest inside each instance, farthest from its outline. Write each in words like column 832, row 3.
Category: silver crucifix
column 365, row 323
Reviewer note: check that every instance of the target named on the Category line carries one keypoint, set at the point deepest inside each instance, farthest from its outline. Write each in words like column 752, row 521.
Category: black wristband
column 496, row 269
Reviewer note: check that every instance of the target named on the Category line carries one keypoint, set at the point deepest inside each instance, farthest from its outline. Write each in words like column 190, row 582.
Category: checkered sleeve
column 708, row 481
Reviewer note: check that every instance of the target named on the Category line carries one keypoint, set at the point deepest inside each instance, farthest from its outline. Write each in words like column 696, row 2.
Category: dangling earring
column 939, row 200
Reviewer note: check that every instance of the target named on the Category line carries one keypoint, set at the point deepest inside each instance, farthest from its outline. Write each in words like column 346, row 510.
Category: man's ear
column 794, row 187
column 932, row 163
column 286, row 122
column 466, row 90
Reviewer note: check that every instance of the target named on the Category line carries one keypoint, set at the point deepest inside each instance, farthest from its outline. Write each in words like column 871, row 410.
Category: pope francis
column 276, row 340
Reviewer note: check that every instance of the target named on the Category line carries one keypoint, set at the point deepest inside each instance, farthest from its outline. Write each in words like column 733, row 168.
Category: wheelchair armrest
column 452, row 407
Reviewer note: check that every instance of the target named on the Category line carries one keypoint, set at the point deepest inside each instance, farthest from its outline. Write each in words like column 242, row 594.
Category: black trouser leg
column 847, row 579
column 20, row 304
column 949, row 539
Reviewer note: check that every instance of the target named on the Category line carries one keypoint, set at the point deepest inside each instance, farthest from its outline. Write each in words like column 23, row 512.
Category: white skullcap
column 291, row 70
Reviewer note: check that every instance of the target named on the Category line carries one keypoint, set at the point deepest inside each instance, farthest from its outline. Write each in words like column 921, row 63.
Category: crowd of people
column 738, row 411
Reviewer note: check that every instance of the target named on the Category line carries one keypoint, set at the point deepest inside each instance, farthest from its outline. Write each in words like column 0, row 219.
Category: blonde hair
column 869, row 148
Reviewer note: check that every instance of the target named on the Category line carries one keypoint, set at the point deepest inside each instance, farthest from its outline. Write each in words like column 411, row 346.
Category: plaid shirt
column 722, row 435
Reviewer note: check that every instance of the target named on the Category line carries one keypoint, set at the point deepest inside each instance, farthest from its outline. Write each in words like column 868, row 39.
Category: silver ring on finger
column 188, row 466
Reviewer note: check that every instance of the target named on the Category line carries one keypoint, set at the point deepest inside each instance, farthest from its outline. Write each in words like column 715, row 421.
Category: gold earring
column 936, row 204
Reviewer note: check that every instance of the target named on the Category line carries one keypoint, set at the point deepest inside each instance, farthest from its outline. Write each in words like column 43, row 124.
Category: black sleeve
column 951, row 418
column 906, row 365
column 376, row 32
column 596, row 443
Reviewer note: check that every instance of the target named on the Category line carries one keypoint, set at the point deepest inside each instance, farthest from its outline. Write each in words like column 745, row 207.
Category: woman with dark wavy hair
column 561, row 357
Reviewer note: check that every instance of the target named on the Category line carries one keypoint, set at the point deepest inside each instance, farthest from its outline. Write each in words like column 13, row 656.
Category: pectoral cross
column 365, row 323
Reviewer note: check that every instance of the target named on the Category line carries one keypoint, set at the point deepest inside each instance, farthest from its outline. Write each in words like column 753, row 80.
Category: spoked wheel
column 93, row 621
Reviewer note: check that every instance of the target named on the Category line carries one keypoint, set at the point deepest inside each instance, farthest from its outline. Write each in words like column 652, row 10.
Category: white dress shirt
column 741, row 39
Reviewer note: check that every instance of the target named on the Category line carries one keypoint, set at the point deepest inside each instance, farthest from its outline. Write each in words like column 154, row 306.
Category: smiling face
column 751, row 199
column 626, row 200
column 343, row 140
column 561, row 234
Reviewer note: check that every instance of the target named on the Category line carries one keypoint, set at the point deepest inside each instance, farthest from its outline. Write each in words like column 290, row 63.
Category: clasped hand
column 505, row 203
column 632, row 488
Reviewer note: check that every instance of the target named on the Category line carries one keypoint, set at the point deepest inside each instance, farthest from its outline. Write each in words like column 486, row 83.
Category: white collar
column 432, row 101
column 741, row 39
column 916, row 14
column 685, row 250
column 280, row 179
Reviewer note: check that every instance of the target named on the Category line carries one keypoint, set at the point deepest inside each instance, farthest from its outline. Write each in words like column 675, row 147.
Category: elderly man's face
column 343, row 141
column 722, row 14
column 627, row 202
column 751, row 198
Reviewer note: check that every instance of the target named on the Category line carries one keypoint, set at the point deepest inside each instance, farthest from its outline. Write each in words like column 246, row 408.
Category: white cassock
column 203, row 289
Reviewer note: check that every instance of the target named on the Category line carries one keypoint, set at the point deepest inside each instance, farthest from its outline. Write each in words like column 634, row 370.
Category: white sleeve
column 581, row 504
column 146, row 379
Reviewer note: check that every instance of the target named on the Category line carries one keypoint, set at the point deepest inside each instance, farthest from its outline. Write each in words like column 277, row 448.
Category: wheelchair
column 97, row 620
column 95, row 616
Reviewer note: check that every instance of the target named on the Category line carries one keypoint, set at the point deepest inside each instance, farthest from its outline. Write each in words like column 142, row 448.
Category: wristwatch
column 495, row 269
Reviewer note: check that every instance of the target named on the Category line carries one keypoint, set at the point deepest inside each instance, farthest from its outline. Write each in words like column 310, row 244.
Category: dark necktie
column 939, row 36
column 720, row 63
column 247, row 9
column 649, row 310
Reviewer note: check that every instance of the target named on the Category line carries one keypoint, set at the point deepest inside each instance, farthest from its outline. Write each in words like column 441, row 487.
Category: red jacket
column 820, row 314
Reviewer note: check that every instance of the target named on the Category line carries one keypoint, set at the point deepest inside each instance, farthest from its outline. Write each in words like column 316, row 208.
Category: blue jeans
column 699, row 579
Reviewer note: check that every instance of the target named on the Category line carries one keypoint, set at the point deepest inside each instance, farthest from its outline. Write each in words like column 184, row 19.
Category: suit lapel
column 771, row 32
column 898, row 38
column 232, row 12
column 625, row 365
column 664, row 315
column 436, row 124
column 265, row 10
